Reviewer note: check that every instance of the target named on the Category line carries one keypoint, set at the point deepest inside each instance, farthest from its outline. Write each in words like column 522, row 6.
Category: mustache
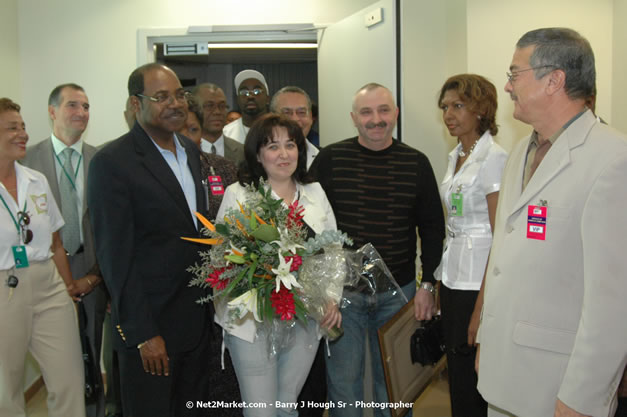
column 513, row 96
column 372, row 125
column 176, row 112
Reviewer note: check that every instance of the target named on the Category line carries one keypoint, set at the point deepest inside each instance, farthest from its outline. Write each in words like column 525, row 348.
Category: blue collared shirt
column 180, row 169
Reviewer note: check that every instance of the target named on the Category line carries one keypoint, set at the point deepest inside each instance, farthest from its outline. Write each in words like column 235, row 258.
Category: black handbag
column 92, row 382
column 427, row 342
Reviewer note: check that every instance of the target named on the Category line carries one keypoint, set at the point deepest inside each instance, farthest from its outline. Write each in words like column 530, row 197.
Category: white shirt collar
column 59, row 146
column 205, row 145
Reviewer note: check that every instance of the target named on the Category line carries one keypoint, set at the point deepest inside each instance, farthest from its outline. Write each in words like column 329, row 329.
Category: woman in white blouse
column 36, row 311
column 469, row 192
column 275, row 149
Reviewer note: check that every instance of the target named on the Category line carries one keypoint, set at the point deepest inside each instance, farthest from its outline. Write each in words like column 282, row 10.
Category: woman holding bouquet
column 275, row 150
column 470, row 192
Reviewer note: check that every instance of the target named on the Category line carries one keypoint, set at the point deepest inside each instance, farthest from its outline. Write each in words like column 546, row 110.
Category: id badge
column 457, row 204
column 19, row 256
column 536, row 222
column 215, row 185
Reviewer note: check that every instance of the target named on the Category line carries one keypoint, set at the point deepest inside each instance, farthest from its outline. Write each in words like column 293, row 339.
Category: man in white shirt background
column 252, row 98
column 295, row 103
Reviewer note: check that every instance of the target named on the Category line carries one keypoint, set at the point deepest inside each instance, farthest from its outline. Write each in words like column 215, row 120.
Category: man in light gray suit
column 68, row 108
column 212, row 101
column 553, row 339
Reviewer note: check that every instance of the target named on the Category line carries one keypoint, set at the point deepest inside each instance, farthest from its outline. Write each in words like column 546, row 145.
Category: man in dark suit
column 64, row 159
column 212, row 102
column 144, row 188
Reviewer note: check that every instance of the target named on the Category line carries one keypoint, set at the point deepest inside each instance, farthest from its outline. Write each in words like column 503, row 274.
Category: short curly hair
column 479, row 95
column 6, row 104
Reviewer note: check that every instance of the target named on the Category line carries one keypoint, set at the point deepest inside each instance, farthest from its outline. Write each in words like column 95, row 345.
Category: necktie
column 213, row 149
column 70, row 233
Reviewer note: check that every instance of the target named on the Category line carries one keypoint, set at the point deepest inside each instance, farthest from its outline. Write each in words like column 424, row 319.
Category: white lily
column 245, row 303
column 235, row 250
column 285, row 244
column 284, row 276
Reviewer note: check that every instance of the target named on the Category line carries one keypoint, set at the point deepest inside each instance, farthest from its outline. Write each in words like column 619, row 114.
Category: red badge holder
column 536, row 222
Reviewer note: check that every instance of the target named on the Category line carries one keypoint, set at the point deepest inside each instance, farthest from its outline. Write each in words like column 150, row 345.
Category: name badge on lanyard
column 536, row 222
column 457, row 204
column 19, row 256
column 215, row 185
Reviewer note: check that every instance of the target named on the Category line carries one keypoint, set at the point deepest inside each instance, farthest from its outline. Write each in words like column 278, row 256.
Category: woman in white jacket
column 469, row 192
column 275, row 149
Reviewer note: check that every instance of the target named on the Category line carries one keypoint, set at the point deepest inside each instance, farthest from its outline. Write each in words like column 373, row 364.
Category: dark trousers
column 621, row 411
column 113, row 397
column 457, row 307
column 146, row 395
column 95, row 304
column 315, row 388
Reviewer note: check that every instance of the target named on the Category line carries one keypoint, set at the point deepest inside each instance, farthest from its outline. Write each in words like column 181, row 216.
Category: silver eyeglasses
column 511, row 76
column 300, row 112
column 247, row 93
column 179, row 95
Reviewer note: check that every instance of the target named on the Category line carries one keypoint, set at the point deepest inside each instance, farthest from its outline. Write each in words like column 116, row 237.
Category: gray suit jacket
column 41, row 158
column 553, row 323
column 233, row 151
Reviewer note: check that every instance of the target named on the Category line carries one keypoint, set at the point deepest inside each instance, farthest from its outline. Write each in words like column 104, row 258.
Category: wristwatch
column 429, row 287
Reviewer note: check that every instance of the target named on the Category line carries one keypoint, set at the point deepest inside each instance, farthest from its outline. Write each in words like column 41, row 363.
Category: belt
column 469, row 230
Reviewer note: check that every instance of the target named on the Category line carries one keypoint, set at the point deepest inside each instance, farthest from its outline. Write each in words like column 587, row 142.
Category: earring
column 479, row 117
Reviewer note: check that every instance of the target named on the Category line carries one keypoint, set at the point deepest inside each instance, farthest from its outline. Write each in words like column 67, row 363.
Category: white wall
column 441, row 39
column 494, row 26
column 9, row 51
column 433, row 48
column 619, row 68
column 93, row 43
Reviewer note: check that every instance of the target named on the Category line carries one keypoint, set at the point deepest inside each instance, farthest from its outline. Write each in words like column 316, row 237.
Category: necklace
column 463, row 154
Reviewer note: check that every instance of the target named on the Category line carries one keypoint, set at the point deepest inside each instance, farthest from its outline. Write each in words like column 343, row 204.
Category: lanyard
column 17, row 226
column 80, row 159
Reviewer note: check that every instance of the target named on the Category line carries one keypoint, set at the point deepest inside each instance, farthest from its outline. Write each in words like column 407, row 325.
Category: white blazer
column 554, row 321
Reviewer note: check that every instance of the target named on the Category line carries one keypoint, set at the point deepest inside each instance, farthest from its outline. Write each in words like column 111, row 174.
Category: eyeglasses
column 300, row 112
column 161, row 98
column 247, row 93
column 24, row 220
column 210, row 106
column 511, row 76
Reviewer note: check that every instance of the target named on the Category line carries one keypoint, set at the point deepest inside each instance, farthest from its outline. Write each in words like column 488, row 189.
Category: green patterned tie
column 70, row 233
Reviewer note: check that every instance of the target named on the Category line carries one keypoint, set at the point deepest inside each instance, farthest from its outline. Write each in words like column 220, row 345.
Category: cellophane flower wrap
column 256, row 258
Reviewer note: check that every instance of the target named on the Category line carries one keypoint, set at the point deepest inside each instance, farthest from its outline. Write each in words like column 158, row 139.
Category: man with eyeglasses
column 553, row 339
column 295, row 103
column 252, row 99
column 144, row 188
column 212, row 101
column 64, row 159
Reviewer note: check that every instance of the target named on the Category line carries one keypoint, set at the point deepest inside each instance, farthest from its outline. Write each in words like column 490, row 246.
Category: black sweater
column 381, row 197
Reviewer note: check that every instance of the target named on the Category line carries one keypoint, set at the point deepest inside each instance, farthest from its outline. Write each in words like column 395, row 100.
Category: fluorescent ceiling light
column 262, row 45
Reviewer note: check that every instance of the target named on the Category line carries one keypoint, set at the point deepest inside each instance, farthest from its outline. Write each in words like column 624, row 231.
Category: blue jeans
column 263, row 380
column 345, row 367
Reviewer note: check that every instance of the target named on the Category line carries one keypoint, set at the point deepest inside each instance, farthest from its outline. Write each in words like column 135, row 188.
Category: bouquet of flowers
column 256, row 256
